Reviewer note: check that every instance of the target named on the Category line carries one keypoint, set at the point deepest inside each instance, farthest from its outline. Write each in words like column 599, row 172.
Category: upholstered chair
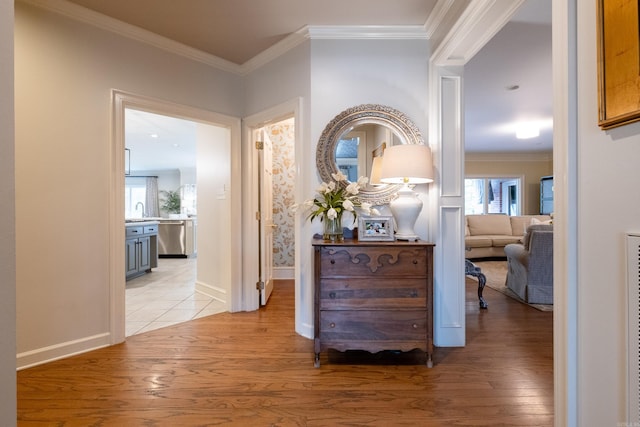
column 530, row 265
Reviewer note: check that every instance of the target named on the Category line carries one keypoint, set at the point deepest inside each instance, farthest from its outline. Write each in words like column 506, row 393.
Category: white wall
column 214, row 211
column 331, row 76
column 346, row 73
column 65, row 71
column 7, row 225
column 608, row 206
column 277, row 90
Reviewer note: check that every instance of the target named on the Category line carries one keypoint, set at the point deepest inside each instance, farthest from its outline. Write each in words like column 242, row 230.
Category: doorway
column 218, row 183
column 281, row 124
column 161, row 186
column 275, row 143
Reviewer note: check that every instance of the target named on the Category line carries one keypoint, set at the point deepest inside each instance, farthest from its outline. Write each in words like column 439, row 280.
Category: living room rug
column 496, row 273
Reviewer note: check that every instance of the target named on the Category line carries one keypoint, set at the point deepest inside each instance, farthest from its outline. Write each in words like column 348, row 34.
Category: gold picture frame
column 618, row 63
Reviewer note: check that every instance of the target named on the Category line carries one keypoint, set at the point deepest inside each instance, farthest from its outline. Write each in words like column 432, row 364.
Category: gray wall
column 7, row 225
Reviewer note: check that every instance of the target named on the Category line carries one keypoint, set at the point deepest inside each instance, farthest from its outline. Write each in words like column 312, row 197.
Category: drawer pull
column 414, row 294
column 333, row 261
column 332, row 325
column 415, row 261
column 415, row 326
column 332, row 295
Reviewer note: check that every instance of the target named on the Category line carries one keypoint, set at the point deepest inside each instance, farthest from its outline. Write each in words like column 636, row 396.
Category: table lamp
column 407, row 164
column 376, row 168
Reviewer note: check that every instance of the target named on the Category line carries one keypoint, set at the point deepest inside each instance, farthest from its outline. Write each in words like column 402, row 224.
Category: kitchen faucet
column 141, row 204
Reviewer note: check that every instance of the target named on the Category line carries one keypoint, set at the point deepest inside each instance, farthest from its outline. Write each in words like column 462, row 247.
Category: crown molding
column 479, row 22
column 326, row 32
column 365, row 32
column 273, row 52
column 437, row 17
column 88, row 16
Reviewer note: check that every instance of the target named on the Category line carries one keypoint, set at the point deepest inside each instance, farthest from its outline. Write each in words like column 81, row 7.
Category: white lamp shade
column 376, row 168
column 407, row 164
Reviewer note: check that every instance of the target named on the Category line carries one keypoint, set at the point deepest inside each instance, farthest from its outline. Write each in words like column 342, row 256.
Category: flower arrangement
column 333, row 199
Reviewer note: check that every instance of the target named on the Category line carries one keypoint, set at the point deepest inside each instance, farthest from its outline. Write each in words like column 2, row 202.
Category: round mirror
column 354, row 142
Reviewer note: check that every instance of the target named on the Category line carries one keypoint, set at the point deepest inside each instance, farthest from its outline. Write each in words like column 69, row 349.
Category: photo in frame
column 375, row 228
column 618, row 65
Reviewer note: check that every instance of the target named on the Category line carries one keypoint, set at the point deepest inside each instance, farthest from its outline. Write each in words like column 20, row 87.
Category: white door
column 267, row 226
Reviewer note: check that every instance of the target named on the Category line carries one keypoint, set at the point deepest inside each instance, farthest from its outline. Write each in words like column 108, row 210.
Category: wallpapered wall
column 282, row 136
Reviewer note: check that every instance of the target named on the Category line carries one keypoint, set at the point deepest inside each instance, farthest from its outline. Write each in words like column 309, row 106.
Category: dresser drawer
column 384, row 261
column 373, row 325
column 134, row 231
column 359, row 293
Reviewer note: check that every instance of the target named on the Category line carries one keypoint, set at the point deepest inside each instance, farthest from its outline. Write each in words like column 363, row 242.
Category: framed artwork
column 618, row 64
column 375, row 228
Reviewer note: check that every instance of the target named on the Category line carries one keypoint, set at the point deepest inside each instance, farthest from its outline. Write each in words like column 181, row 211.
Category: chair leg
column 470, row 269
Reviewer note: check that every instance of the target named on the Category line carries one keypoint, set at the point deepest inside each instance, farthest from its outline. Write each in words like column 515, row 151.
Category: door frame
column 121, row 100
column 250, row 190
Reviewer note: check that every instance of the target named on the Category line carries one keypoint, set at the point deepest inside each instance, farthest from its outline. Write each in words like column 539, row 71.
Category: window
column 485, row 195
column 135, row 193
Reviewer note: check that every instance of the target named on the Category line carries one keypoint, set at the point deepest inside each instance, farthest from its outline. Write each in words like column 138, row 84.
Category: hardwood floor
column 252, row 369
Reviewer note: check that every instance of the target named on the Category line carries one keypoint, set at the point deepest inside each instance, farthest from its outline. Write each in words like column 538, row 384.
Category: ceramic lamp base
column 406, row 208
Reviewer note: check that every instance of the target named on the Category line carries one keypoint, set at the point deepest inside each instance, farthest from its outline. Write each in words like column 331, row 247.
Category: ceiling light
column 527, row 130
column 153, row 135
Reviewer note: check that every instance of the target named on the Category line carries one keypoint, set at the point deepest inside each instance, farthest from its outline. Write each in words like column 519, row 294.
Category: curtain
column 152, row 203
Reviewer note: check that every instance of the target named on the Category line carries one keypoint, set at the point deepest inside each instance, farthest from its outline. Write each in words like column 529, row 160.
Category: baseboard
column 211, row 291
column 283, row 273
column 60, row 351
column 306, row 330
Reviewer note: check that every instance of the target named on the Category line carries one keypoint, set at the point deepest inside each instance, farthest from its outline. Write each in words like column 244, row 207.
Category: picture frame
column 375, row 228
column 618, row 65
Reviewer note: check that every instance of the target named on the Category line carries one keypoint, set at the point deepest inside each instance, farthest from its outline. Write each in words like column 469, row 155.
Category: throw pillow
column 535, row 221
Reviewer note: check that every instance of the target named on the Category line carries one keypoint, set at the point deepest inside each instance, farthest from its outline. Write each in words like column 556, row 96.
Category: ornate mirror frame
column 341, row 124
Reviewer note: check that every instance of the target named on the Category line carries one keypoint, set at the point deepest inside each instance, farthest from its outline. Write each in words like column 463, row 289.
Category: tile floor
column 166, row 296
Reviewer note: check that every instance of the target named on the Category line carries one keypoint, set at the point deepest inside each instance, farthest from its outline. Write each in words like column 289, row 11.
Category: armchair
column 530, row 265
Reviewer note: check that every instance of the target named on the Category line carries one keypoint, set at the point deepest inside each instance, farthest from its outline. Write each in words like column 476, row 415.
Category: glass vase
column 332, row 229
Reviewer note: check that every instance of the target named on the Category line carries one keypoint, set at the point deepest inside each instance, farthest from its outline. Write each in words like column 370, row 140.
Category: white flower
column 348, row 205
column 308, row 203
column 332, row 214
column 353, row 188
column 339, row 176
column 362, row 181
column 322, row 188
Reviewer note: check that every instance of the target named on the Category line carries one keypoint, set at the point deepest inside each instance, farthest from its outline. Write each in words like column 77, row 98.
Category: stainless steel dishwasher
column 176, row 238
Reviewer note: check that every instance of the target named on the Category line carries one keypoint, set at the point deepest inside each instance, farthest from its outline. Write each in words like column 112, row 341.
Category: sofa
column 487, row 235
column 530, row 265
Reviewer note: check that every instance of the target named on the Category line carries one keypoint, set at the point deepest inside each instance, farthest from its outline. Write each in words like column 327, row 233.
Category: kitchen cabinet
column 373, row 296
column 141, row 248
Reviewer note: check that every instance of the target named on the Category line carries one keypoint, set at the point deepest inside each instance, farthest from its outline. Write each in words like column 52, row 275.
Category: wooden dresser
column 373, row 296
